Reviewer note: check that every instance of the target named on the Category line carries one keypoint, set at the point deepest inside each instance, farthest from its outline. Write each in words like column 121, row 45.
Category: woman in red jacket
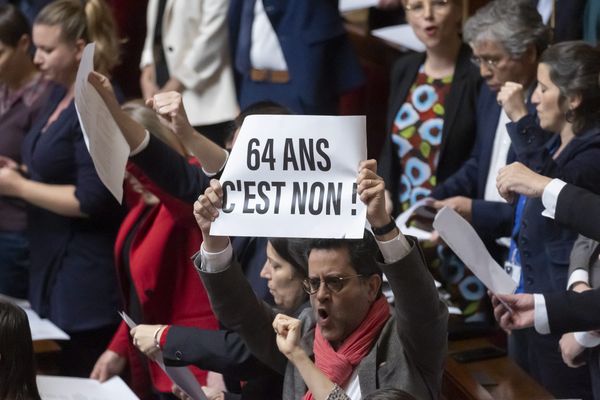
column 157, row 279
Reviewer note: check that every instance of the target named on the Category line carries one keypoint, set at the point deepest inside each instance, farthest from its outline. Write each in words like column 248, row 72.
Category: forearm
column 319, row 385
column 211, row 156
column 59, row 199
column 132, row 131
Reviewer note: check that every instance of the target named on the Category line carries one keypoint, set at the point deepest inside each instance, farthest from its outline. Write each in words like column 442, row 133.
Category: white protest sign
column 294, row 176
column 103, row 138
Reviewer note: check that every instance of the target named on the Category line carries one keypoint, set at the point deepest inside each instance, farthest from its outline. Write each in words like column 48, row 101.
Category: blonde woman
column 73, row 219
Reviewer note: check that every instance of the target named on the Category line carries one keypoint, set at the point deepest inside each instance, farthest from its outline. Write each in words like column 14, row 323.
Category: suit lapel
column 403, row 88
column 455, row 94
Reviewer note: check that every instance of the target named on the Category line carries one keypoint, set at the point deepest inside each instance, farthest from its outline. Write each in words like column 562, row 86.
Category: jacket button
column 529, row 281
column 524, row 241
column 170, row 48
column 527, row 254
column 178, row 355
column 528, row 267
column 149, row 292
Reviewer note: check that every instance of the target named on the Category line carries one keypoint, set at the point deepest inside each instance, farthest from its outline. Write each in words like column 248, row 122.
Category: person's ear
column 79, row 46
column 574, row 101
column 374, row 285
column 24, row 43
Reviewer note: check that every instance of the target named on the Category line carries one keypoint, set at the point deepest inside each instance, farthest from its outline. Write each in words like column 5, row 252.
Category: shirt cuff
column 586, row 339
column 142, row 145
column 395, row 249
column 540, row 315
column 211, row 174
column 213, row 263
column 579, row 275
column 550, row 197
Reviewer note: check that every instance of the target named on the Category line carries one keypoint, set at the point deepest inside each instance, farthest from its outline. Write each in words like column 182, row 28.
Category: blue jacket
column 72, row 278
column 544, row 244
column 320, row 59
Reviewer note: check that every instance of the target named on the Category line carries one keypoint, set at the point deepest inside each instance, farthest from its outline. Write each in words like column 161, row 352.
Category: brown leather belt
column 267, row 75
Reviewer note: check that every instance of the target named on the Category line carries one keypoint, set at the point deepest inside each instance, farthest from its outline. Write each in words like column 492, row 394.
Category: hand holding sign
column 294, row 176
column 206, row 210
column 371, row 189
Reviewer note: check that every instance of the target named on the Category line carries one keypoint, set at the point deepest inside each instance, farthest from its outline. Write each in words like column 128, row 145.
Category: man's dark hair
column 363, row 253
column 389, row 394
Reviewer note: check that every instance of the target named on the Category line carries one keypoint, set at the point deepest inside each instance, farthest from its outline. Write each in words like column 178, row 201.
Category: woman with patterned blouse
column 431, row 112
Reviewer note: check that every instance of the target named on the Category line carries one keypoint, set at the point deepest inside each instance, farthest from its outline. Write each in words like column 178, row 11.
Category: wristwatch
column 387, row 228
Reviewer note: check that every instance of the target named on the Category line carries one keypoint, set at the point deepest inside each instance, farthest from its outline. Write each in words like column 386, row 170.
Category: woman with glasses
column 431, row 114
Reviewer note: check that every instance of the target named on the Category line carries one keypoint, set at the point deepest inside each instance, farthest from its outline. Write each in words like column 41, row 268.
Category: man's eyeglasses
column 418, row 7
column 332, row 283
column 490, row 62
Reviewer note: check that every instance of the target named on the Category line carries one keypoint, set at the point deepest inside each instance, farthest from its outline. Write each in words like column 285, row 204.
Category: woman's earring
column 570, row 115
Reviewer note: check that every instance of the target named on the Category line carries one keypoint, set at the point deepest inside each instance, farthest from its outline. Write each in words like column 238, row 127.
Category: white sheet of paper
column 181, row 376
column 106, row 144
column 44, row 329
column 403, row 218
column 130, row 323
column 67, row 388
column 315, row 199
column 41, row 329
column 351, row 5
column 460, row 236
column 402, row 35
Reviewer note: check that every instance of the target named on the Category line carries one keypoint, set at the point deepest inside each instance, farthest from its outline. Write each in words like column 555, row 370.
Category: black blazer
column 458, row 134
column 574, row 208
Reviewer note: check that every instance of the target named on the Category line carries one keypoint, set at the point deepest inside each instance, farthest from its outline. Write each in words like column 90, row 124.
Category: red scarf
column 338, row 365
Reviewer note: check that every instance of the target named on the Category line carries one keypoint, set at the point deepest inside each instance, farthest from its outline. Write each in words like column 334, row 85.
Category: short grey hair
column 516, row 24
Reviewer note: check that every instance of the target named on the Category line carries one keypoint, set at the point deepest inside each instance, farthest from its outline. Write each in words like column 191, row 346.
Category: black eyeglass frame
column 336, row 280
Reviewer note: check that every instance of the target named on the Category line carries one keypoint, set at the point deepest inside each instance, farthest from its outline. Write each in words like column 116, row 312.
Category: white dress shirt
column 265, row 51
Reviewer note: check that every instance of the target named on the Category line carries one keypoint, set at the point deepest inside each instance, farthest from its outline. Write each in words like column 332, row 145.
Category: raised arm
column 231, row 296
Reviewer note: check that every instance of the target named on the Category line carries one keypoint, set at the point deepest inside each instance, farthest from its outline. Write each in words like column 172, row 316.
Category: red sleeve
column 120, row 341
column 163, row 337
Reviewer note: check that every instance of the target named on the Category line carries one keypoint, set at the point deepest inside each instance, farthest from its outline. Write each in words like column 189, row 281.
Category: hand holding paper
column 180, row 376
column 513, row 311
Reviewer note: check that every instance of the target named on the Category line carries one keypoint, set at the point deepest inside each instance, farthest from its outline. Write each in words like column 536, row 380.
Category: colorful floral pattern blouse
column 417, row 136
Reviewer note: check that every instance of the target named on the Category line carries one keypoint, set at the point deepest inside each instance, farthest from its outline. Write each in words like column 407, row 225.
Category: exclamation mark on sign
column 354, row 197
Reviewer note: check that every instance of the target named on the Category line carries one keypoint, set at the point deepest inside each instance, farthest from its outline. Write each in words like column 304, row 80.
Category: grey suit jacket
column 585, row 256
column 409, row 353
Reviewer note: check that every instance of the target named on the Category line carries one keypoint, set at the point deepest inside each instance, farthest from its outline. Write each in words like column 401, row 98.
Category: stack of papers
column 41, row 329
column 66, row 388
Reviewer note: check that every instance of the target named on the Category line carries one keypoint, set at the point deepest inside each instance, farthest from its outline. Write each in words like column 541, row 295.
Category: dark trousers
column 78, row 355
column 14, row 264
column 251, row 92
column 539, row 355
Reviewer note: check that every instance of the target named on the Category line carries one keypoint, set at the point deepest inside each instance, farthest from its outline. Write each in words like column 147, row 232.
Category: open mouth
column 431, row 30
column 323, row 316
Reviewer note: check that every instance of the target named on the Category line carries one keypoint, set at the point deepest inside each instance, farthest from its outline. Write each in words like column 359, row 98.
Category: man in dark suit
column 293, row 52
column 567, row 311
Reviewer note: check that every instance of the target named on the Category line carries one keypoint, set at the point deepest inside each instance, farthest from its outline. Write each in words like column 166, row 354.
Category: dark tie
column 242, row 54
